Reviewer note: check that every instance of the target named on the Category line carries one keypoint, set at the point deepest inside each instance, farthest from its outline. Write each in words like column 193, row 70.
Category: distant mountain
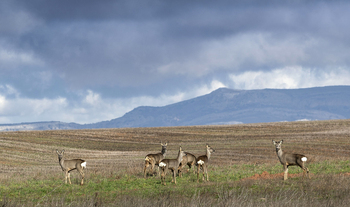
column 50, row 125
column 228, row 106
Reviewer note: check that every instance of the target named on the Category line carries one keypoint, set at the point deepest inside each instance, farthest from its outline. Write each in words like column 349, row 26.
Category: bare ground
column 27, row 152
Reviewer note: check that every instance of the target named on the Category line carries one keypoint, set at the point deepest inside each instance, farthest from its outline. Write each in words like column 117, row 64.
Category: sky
column 89, row 61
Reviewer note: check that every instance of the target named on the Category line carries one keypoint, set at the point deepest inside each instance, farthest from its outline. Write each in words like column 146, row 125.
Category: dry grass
column 118, row 151
column 250, row 143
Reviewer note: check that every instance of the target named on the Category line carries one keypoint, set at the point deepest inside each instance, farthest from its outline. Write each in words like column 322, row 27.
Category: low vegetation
column 244, row 169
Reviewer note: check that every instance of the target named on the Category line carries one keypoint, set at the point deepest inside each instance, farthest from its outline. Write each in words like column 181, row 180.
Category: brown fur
column 289, row 159
column 154, row 159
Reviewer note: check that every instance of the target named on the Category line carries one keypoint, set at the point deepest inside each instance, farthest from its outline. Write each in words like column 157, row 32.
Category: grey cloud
column 155, row 47
column 89, row 61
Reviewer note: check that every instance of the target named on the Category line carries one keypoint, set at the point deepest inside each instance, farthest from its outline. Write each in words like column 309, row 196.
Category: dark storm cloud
column 81, row 54
column 125, row 42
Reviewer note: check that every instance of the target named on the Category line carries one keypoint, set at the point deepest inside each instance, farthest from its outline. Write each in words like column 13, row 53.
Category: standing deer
column 189, row 160
column 69, row 165
column 202, row 163
column 289, row 159
column 154, row 159
column 172, row 164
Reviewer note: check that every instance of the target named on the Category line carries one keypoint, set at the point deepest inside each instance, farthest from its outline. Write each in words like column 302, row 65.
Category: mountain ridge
column 231, row 106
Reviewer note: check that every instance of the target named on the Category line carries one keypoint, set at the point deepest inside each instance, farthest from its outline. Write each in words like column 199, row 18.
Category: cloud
column 290, row 77
column 260, row 51
column 12, row 59
column 100, row 47
column 93, row 61
column 205, row 89
column 87, row 107
column 2, row 103
column 92, row 98
column 95, row 108
column 139, row 47
column 8, row 90
column 31, row 110
column 16, row 21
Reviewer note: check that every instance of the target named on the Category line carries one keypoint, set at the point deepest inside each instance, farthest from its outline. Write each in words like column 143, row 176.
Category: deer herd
column 184, row 158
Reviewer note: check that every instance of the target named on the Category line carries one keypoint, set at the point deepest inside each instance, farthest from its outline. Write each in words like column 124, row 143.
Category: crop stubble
column 27, row 152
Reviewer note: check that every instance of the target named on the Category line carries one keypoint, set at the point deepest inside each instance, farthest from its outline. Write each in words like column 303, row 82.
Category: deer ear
column 281, row 141
column 273, row 141
column 57, row 151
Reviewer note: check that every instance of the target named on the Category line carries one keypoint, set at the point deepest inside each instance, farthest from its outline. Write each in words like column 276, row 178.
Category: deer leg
column 285, row 172
column 192, row 165
column 180, row 171
column 306, row 171
column 165, row 172
column 206, row 172
column 82, row 175
column 203, row 170
column 66, row 176
column 163, row 175
column 82, row 178
column 158, row 172
column 189, row 167
column 198, row 168
column 69, row 178
column 152, row 167
column 174, row 176
column 145, row 168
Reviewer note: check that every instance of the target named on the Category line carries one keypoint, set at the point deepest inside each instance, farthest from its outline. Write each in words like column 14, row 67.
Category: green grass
column 114, row 186
column 30, row 175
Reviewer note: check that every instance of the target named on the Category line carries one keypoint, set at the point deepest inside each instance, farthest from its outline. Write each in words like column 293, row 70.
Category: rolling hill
column 228, row 106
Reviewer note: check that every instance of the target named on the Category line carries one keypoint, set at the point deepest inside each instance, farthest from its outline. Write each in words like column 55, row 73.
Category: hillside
column 30, row 174
column 227, row 106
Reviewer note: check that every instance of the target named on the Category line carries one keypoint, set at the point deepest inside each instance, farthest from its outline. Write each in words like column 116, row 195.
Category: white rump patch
column 162, row 164
column 200, row 162
column 83, row 165
column 303, row 159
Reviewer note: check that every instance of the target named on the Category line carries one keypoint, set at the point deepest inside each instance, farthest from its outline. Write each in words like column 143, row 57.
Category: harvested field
column 116, row 152
column 250, row 143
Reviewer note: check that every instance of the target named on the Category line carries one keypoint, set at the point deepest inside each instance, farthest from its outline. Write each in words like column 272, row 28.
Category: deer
column 290, row 159
column 172, row 164
column 70, row 165
column 202, row 162
column 189, row 160
column 154, row 159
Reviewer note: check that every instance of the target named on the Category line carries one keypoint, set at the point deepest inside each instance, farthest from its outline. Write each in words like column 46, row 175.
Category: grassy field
column 244, row 170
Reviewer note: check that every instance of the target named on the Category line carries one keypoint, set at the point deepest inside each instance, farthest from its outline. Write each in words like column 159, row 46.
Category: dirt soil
column 30, row 152
column 266, row 175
